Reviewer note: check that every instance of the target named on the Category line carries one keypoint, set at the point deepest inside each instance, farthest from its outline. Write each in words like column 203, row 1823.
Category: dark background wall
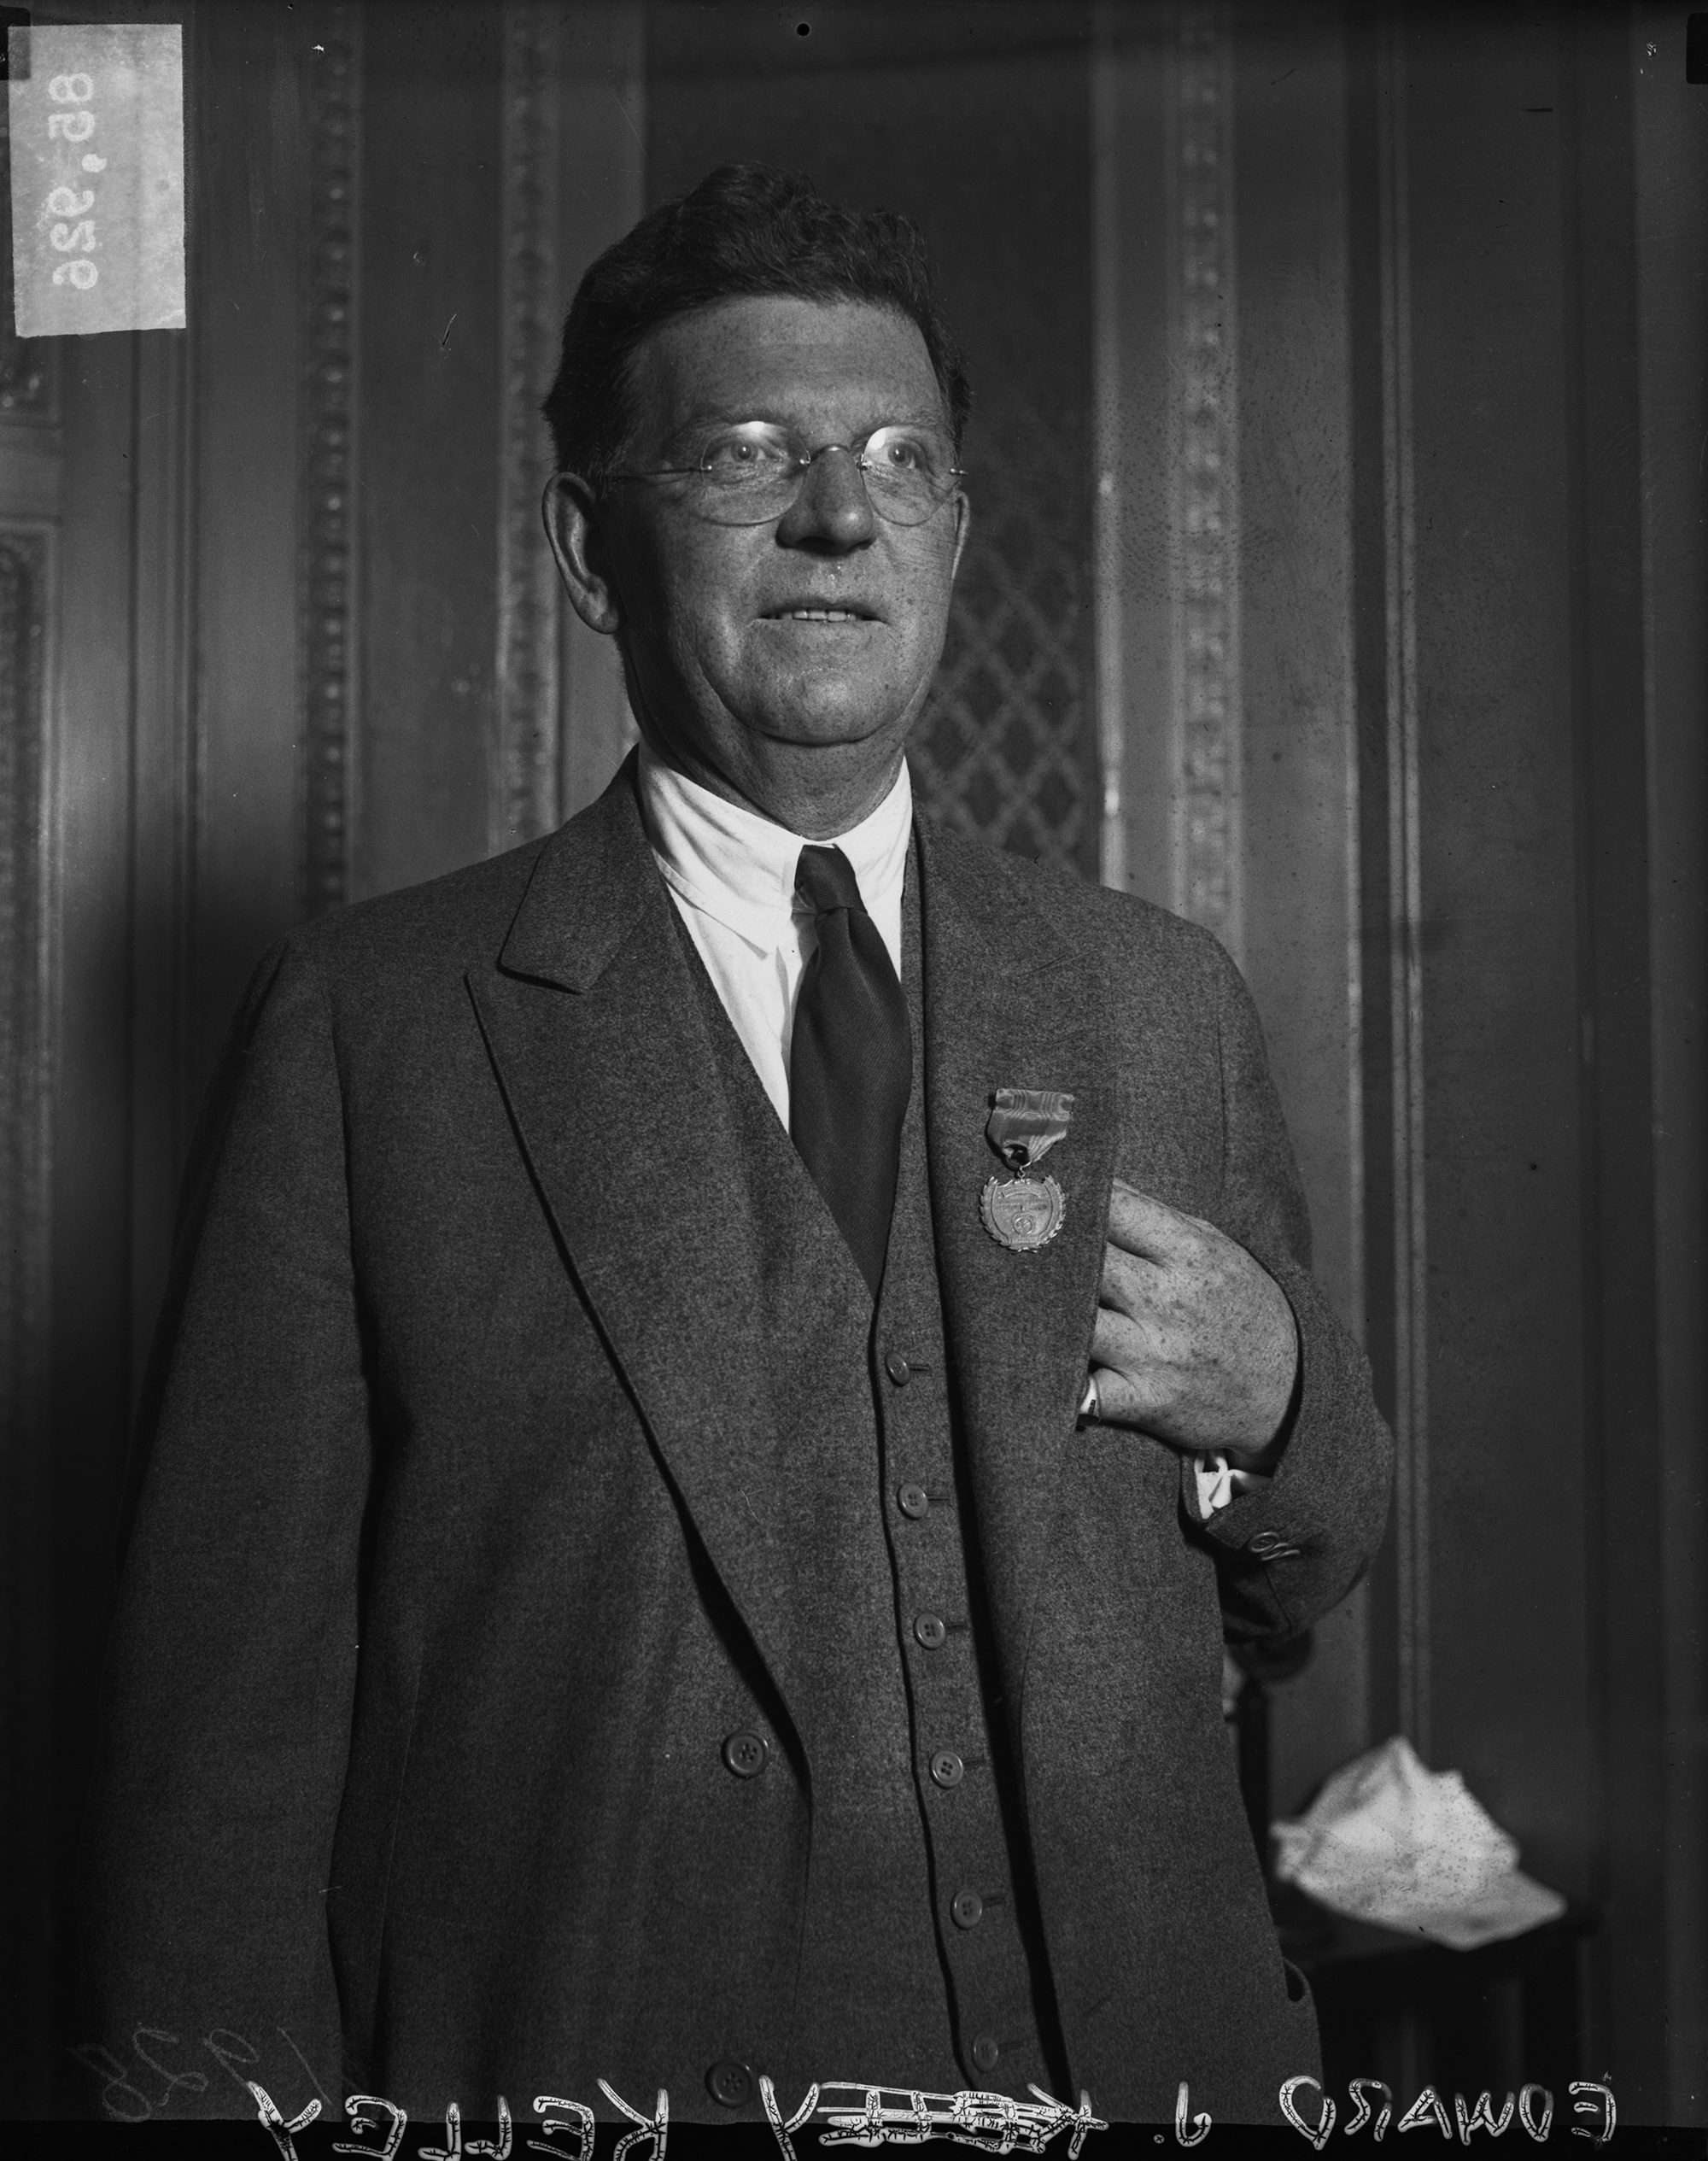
column 1404, row 693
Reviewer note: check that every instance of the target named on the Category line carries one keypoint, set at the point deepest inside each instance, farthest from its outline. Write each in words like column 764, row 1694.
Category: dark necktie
column 851, row 1061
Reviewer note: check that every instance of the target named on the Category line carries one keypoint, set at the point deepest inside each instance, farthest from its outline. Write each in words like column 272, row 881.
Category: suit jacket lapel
column 598, row 1038
column 1007, row 1005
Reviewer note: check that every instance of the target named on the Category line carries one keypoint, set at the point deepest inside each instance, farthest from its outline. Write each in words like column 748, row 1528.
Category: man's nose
column 833, row 509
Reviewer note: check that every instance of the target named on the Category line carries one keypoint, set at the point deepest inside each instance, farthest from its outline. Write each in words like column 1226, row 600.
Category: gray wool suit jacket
column 461, row 1535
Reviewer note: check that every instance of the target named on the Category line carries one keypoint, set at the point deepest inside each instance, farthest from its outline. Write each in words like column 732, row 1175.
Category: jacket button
column 985, row 2051
column 947, row 1768
column 930, row 1631
column 913, row 1500
column 898, row 1369
column 1264, row 1543
column 729, row 2083
column 745, row 1754
column 967, row 1908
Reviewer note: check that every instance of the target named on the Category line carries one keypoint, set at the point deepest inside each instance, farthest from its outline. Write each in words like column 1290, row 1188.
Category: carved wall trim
column 25, row 1088
column 524, row 763
column 1203, row 511
column 1404, row 911
column 1108, row 572
column 329, row 424
column 29, row 367
column 29, row 370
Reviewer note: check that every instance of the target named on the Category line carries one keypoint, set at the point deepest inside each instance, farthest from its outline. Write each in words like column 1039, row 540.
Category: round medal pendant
column 1023, row 1213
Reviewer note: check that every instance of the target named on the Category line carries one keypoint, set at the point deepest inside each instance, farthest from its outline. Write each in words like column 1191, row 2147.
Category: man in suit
column 729, row 1369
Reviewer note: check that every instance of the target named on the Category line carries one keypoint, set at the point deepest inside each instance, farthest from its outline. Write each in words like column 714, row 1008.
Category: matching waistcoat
column 920, row 1961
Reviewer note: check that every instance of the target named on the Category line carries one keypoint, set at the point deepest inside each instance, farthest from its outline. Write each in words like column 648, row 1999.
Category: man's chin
column 831, row 719
column 832, row 710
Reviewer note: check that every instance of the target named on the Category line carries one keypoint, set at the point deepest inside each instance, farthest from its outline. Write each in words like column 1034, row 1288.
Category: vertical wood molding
column 1109, row 623
column 29, row 367
column 25, row 1483
column 525, row 764
column 1203, row 499
column 1411, row 1280
column 329, row 422
column 603, row 130
column 166, row 806
column 1671, row 165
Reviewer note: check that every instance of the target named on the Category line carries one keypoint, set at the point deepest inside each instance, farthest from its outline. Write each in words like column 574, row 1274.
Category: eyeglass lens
column 750, row 473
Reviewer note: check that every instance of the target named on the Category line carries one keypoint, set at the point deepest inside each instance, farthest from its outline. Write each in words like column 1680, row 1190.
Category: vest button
column 930, row 1632
column 967, row 1908
column 985, row 2051
column 947, row 1768
column 729, row 2083
column 914, row 1500
column 898, row 1369
column 745, row 1754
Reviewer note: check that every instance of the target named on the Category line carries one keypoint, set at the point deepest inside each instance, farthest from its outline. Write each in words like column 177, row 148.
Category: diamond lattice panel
column 1000, row 749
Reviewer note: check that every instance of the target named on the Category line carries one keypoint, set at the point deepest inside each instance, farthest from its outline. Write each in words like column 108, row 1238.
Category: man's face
column 724, row 627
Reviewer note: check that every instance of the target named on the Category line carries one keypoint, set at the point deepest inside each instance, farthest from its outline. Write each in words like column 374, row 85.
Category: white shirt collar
column 739, row 868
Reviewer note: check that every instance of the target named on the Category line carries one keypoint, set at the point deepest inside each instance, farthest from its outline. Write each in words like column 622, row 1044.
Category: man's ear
column 579, row 549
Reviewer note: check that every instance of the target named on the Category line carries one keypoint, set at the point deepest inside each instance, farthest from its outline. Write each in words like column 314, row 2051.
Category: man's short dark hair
column 746, row 229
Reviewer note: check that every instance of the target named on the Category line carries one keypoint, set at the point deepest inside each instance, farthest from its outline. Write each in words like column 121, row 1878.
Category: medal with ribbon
column 1024, row 1212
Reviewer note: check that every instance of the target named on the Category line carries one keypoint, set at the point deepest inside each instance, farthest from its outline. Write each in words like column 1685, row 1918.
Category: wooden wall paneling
column 27, row 568
column 1206, row 710
column 246, row 313
column 89, row 832
column 1297, row 815
column 1521, row 1618
column 601, row 192
column 328, row 72
column 1224, row 590
column 1392, row 1161
column 574, row 160
column 1506, row 1695
column 1398, row 934
column 1134, row 616
column 165, row 803
column 30, row 450
column 1624, row 1492
column 1671, row 122
column 1376, row 658
column 430, row 403
column 525, row 759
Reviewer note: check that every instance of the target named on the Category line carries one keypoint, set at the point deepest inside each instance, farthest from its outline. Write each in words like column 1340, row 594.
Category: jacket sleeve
column 226, row 1694
column 1293, row 1547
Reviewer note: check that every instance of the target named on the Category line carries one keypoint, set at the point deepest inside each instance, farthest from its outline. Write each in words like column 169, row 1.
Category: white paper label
column 96, row 116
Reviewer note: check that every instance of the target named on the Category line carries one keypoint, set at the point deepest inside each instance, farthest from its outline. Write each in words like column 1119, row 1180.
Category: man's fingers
column 1129, row 1346
column 1109, row 1339
column 1122, row 1402
column 1140, row 1224
column 1128, row 1282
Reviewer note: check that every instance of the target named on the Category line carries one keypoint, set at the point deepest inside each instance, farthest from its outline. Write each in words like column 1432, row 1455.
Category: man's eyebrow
column 729, row 415
column 697, row 416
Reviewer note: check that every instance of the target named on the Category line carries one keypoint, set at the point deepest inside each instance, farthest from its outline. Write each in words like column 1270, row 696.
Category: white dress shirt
column 732, row 875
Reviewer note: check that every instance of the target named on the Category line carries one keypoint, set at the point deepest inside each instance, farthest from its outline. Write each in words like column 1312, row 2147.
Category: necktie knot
column 825, row 880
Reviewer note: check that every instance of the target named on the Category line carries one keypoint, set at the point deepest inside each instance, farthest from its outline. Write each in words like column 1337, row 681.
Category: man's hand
column 1195, row 1342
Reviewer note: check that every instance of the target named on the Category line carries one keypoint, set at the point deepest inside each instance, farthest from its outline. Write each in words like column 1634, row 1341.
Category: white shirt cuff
column 1219, row 1483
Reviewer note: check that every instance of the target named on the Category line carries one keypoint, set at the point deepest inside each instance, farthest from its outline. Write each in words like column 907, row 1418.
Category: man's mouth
column 819, row 615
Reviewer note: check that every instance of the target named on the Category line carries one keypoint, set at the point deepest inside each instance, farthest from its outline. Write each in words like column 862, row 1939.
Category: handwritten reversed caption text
column 839, row 2112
